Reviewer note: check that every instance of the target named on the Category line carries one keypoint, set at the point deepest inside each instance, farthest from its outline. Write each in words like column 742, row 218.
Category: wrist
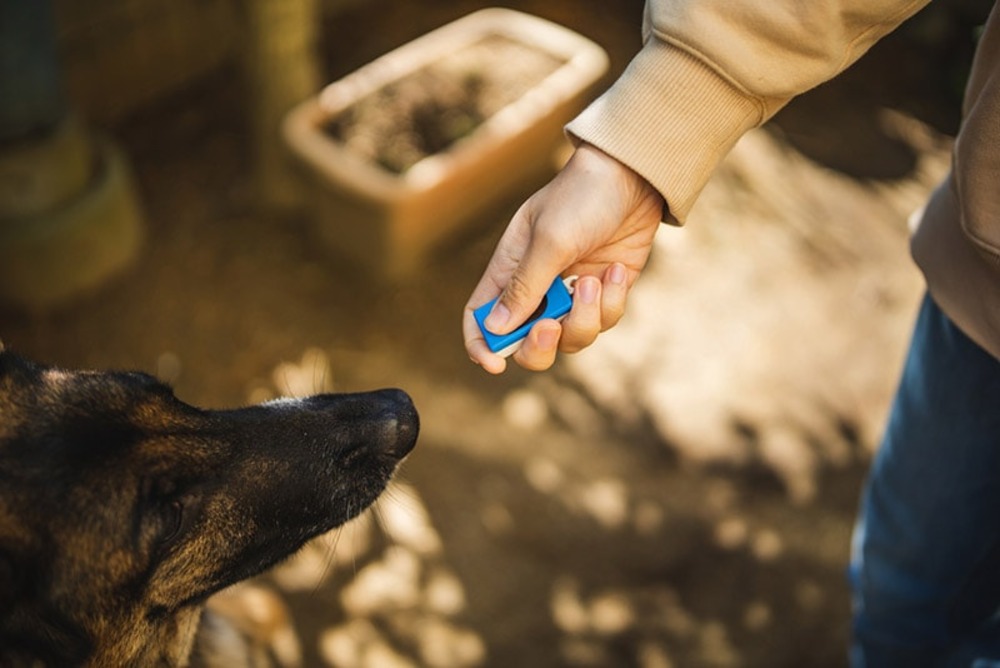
column 591, row 158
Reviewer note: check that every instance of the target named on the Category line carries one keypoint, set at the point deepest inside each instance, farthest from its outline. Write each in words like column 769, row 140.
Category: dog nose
column 399, row 422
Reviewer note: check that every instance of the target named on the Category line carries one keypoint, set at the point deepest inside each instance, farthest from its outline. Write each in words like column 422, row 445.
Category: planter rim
column 585, row 62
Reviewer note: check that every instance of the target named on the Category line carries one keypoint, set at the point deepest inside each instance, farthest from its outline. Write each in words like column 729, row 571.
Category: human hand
column 596, row 219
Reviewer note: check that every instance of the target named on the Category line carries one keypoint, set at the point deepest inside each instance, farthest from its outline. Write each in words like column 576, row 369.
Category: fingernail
column 497, row 318
column 548, row 338
column 587, row 289
column 617, row 274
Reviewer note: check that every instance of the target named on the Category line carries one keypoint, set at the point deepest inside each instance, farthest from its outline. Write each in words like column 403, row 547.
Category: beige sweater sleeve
column 710, row 70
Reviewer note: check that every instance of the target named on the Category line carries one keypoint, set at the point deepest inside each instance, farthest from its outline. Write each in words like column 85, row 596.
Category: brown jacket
column 710, row 70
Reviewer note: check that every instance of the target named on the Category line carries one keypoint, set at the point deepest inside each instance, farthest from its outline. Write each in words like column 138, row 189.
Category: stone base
column 73, row 246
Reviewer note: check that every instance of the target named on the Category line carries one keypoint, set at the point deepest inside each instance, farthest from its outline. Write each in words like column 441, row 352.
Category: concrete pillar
column 31, row 93
column 282, row 71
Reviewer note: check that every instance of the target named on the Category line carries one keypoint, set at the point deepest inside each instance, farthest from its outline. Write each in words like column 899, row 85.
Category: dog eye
column 173, row 520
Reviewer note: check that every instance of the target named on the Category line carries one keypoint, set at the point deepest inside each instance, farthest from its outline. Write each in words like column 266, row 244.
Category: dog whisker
column 373, row 509
column 331, row 551
column 405, row 520
column 380, row 521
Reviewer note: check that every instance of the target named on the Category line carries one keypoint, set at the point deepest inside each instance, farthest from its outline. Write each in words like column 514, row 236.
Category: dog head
column 122, row 508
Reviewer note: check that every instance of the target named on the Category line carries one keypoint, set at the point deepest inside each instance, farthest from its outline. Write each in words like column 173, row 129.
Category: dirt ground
column 681, row 494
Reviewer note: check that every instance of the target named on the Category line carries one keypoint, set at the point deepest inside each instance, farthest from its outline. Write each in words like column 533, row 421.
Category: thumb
column 528, row 283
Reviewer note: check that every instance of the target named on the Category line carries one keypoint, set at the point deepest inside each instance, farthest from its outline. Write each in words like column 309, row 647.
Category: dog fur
column 123, row 509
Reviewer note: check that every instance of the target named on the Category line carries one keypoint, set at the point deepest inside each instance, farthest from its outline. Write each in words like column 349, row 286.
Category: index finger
column 475, row 344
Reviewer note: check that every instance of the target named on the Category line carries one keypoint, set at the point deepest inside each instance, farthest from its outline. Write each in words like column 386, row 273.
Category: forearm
column 712, row 69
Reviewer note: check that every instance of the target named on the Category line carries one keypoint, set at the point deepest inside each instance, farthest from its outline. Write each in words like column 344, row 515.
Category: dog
column 123, row 509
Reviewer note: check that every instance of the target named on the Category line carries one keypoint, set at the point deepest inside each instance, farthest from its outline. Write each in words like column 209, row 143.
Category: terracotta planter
column 389, row 221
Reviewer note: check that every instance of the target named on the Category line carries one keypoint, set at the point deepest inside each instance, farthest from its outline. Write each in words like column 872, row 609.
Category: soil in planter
column 429, row 110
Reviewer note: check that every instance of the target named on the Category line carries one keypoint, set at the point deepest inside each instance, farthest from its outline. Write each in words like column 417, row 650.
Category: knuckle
column 610, row 320
column 534, row 365
column 574, row 341
column 611, row 312
column 576, row 345
column 534, row 360
column 547, row 237
column 517, row 292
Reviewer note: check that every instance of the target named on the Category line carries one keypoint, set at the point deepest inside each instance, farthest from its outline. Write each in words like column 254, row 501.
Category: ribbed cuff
column 671, row 118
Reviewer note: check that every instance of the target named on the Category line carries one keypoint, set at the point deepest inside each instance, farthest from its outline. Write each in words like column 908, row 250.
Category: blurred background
column 680, row 494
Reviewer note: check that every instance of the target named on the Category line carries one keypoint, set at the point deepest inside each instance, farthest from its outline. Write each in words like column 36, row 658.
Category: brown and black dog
column 122, row 509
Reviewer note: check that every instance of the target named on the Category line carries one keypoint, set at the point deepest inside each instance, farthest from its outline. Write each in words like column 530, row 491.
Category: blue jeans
column 925, row 564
